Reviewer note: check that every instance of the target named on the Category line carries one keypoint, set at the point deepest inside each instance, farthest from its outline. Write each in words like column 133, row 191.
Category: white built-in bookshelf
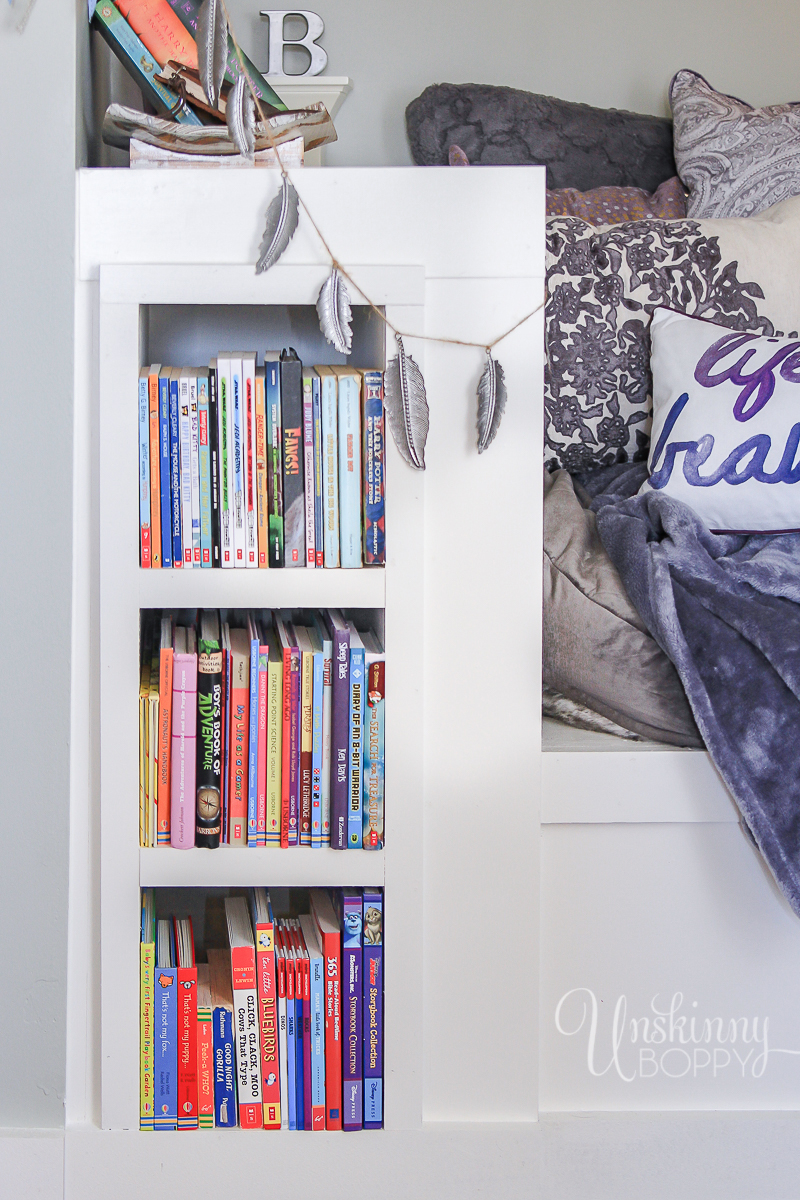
column 454, row 253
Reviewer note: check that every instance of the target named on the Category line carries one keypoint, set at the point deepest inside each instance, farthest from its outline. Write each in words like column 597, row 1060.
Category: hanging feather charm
column 333, row 307
column 212, row 48
column 282, row 216
column 240, row 114
column 406, row 406
column 491, row 401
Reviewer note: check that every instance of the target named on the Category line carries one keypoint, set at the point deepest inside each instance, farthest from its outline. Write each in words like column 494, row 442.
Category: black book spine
column 294, row 528
column 213, row 447
column 209, row 745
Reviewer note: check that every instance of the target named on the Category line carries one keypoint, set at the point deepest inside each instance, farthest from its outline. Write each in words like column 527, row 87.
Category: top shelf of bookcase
column 287, row 588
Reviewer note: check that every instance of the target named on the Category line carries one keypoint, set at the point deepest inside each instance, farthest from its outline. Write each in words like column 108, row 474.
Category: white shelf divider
column 232, row 867
column 286, row 588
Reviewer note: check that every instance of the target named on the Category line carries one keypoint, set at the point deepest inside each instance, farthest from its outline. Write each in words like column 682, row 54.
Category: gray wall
column 36, row 299
column 619, row 53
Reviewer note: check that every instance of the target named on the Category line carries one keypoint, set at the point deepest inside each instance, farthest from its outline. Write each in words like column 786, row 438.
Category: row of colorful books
column 279, row 1028
column 262, row 729
column 277, row 465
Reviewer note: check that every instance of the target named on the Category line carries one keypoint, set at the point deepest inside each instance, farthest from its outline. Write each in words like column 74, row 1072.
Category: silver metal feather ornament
column 333, row 308
column 240, row 114
column 282, row 217
column 406, row 406
column 491, row 401
column 212, row 48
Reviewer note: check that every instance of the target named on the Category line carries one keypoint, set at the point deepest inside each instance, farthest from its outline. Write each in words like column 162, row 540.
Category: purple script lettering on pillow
column 761, row 380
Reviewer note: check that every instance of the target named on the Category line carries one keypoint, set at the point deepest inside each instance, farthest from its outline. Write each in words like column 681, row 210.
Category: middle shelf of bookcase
column 230, row 866
column 290, row 587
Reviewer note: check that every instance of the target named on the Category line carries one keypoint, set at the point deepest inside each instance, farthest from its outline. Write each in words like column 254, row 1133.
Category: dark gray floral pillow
column 602, row 288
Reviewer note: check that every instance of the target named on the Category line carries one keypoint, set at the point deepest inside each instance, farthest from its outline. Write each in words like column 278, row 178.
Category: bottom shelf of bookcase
column 232, row 867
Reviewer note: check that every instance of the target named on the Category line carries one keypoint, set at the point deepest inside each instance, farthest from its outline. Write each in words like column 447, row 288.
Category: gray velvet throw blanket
column 726, row 610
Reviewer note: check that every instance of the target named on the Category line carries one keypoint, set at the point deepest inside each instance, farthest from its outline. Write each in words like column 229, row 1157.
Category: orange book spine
column 161, row 30
column 155, row 473
column 237, row 784
column 164, row 745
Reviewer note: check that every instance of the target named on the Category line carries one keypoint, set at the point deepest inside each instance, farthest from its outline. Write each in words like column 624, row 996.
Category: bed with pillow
column 672, row 551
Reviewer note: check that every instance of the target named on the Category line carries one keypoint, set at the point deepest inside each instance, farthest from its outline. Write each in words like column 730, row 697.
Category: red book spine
column 286, row 749
column 268, row 1025
column 237, row 785
column 245, row 1035
column 261, row 792
column 187, row 1048
column 332, row 954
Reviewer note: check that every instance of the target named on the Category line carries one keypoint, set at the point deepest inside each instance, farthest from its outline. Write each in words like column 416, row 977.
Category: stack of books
column 280, row 1027
column 253, row 466
column 263, row 729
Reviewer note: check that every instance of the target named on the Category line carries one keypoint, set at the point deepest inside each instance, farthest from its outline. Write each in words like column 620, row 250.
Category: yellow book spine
column 144, row 768
column 146, row 1033
column 274, row 728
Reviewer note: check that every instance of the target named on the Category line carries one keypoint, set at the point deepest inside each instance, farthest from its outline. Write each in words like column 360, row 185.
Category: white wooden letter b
column 277, row 41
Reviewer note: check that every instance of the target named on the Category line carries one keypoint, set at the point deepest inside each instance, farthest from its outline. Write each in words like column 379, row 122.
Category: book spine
column 355, row 765
column 317, row 1043
column 208, row 815
column 306, row 743
column 144, row 473
column 186, row 471
column 308, row 1050
column 155, row 474
column 349, row 473
column 340, row 738
column 249, row 425
column 147, row 958
column 272, row 383
column 330, row 470
column 373, row 1010
column 140, row 63
column 239, row 427
column 246, row 1037
column 274, row 730
column 205, row 1067
column 294, row 543
column 319, row 528
column 352, row 1067
column 263, row 748
column 195, row 463
column 187, row 10
column 286, row 744
column 316, row 750
column 160, row 29
column 226, row 462
column 308, row 470
column 166, row 1048
column 226, row 744
column 268, row 1025
column 294, row 751
column 252, row 748
column 239, row 723
column 203, row 418
column 283, row 1078
column 224, row 1070
column 262, row 510
column 331, row 950
column 291, row 1041
column 214, row 464
column 164, row 470
column 374, row 753
column 153, row 749
column 175, row 472
column 184, row 750
column 327, row 708
column 187, row 1048
column 164, row 745
column 374, row 471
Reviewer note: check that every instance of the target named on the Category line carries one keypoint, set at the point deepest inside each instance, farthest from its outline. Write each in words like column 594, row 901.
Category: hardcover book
column 316, row 976
column 330, row 465
column 290, row 740
column 204, row 452
column 272, row 401
column 209, row 741
column 249, row 460
column 214, row 459
column 147, row 963
column 164, row 466
column 263, row 735
column 308, row 466
column 340, row 726
column 318, row 517
column 155, row 461
column 266, row 980
column 274, row 738
column 326, row 644
column 164, row 799
column 184, row 731
column 294, row 537
column 219, row 967
column 185, row 429
column 238, row 735
column 194, row 447
column 356, row 747
column 225, row 439
column 330, row 937
column 144, row 469
column 374, row 481
column 166, row 1027
column 352, row 997
column 238, row 447
column 349, row 466
column 283, row 1033
column 288, row 959
column 176, row 511
column 373, row 762
column 205, row 1049
column 262, row 498
column 187, row 1024
column 373, row 1009
column 245, row 1013
column 252, row 736
column 301, row 637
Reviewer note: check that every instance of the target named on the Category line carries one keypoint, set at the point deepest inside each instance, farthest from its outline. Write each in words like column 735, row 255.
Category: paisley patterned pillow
column 734, row 159
column 603, row 286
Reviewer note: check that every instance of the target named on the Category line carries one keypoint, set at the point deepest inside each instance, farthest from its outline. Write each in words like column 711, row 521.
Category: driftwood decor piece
column 120, row 124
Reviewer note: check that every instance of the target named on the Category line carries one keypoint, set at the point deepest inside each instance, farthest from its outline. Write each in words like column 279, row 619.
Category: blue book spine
column 205, row 468
column 330, row 470
column 352, row 1058
column 319, row 537
column 224, row 1070
column 252, row 749
column 373, row 1009
column 166, row 1048
column 316, row 751
column 144, row 469
column 317, row 1042
column 355, row 764
column 299, row 1082
column 164, row 454
column 175, row 474
column 350, row 471
column 291, row 1053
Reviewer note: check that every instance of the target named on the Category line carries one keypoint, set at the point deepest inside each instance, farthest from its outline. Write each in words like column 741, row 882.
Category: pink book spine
column 184, row 751
column 261, row 788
